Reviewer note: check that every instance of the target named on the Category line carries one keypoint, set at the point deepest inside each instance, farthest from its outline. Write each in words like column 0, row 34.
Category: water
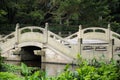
column 50, row 68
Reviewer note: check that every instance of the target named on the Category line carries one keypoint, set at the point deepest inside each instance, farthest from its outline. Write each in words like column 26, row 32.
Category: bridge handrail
column 31, row 28
column 83, row 30
column 72, row 36
column 115, row 35
column 63, row 41
column 7, row 36
column 95, row 28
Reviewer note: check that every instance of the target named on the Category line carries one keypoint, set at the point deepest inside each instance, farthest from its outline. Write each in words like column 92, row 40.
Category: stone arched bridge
column 91, row 43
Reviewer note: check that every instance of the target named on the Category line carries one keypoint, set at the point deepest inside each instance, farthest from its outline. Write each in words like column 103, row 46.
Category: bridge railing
column 31, row 32
column 60, row 45
column 8, row 41
column 95, row 33
column 31, row 29
column 59, row 39
column 72, row 36
column 116, row 37
column 10, row 36
column 92, row 33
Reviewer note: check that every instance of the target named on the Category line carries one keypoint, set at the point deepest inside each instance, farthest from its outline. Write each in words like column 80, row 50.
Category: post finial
column 46, row 25
column 109, row 26
column 17, row 25
column 79, row 32
column 80, row 27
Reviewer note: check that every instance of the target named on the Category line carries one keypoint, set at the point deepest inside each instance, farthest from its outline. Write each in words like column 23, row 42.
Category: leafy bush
column 9, row 76
column 84, row 71
column 10, row 67
column 90, row 72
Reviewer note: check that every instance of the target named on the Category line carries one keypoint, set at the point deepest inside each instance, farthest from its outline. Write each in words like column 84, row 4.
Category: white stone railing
column 7, row 37
column 95, row 33
column 31, row 33
column 37, row 34
column 94, row 29
column 72, row 36
column 31, row 29
column 44, row 36
column 91, row 33
column 59, row 39
column 116, row 38
column 61, row 45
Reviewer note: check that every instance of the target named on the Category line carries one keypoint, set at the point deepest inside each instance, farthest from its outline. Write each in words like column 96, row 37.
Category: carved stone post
column 110, row 47
column 108, row 33
column 46, row 33
column 17, row 49
column 17, row 33
column 80, row 40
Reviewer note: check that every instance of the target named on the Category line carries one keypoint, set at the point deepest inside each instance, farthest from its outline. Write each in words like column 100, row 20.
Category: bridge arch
column 27, row 53
column 37, row 44
column 27, row 50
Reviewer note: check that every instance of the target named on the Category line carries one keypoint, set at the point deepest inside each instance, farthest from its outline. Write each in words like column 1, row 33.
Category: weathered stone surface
column 63, row 50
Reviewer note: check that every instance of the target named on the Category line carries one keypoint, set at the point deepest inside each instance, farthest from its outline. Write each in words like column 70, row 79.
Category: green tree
column 68, row 12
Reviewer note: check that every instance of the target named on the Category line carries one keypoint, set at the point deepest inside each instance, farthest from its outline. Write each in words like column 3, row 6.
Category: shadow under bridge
column 28, row 55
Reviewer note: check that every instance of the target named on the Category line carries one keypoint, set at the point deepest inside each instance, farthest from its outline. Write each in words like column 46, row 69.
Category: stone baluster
column 59, row 33
column 69, row 33
column 31, row 29
column 54, row 37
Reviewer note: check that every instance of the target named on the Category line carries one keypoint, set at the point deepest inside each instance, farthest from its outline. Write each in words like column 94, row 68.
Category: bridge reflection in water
column 51, row 69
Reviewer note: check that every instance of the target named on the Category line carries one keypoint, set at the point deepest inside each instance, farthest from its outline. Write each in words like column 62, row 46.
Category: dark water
column 50, row 68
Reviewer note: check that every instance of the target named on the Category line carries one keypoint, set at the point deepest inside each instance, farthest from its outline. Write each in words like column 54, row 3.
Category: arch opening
column 28, row 56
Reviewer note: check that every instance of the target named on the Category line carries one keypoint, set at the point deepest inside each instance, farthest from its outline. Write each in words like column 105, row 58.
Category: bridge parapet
column 92, row 32
column 116, row 38
column 96, row 33
column 59, row 39
column 7, row 37
column 31, row 29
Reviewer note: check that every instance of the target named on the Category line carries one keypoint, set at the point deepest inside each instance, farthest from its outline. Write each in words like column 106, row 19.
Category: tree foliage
column 67, row 12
